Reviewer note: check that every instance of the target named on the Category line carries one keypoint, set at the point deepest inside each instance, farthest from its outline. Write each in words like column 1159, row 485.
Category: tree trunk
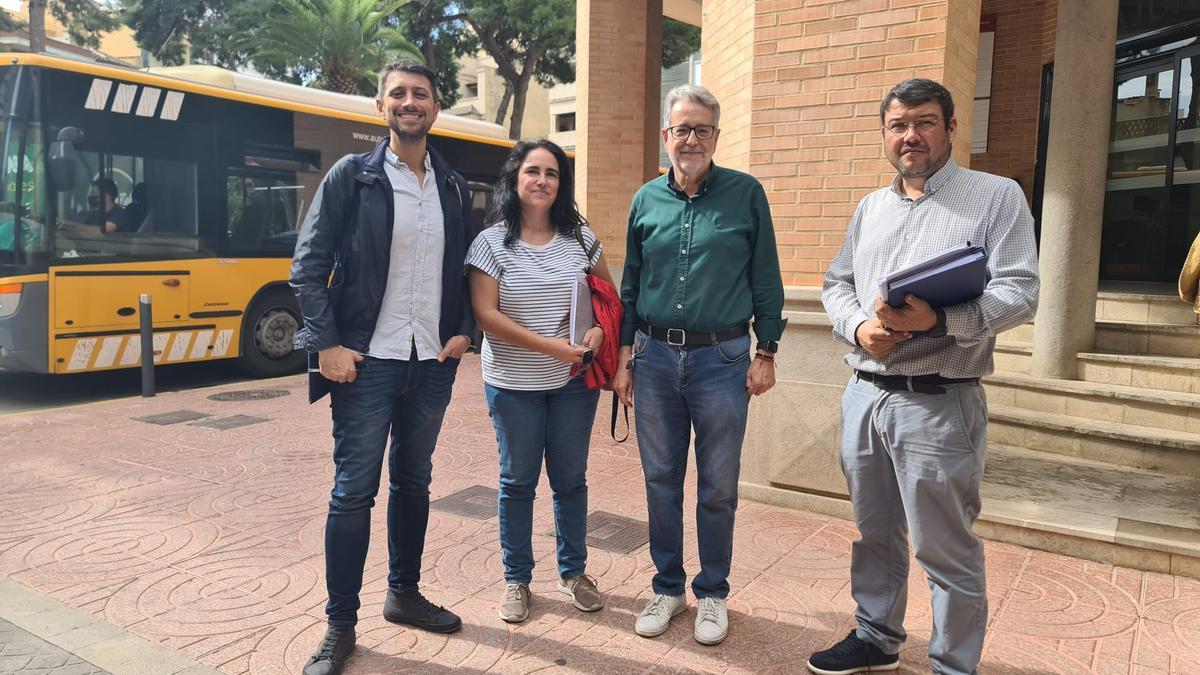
column 37, row 26
column 518, row 113
column 502, row 110
column 521, row 87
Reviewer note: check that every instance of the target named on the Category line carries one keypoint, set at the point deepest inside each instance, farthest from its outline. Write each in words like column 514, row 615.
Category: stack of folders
column 951, row 277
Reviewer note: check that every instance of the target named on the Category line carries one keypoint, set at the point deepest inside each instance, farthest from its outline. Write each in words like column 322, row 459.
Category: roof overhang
column 687, row 11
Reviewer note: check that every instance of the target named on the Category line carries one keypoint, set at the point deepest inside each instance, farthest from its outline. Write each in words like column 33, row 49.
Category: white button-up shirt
column 412, row 299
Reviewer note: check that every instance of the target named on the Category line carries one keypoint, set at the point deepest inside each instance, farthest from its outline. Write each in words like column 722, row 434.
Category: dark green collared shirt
column 705, row 263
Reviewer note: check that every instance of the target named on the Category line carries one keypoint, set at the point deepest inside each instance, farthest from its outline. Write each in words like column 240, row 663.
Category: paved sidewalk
column 24, row 653
column 205, row 537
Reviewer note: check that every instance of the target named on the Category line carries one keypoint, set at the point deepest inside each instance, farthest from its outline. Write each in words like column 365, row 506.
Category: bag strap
column 589, row 252
column 612, row 425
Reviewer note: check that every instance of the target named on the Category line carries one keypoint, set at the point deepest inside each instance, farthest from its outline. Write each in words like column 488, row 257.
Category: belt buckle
column 672, row 341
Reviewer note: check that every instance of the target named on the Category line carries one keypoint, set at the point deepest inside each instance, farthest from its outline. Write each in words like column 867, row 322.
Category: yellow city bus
column 214, row 171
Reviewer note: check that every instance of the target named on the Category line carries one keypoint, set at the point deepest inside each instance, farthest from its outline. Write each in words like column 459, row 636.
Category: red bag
column 608, row 312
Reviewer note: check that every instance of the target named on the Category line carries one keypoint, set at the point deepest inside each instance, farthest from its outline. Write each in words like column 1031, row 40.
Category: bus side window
column 481, row 201
column 156, row 209
column 264, row 211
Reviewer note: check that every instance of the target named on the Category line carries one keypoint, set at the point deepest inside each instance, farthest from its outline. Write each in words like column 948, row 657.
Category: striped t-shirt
column 535, row 291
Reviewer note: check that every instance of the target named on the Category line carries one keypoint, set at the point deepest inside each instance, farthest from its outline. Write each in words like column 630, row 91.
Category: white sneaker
column 656, row 616
column 712, row 621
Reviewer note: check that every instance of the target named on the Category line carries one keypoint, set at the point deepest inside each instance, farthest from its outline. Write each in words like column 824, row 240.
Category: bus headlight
column 10, row 297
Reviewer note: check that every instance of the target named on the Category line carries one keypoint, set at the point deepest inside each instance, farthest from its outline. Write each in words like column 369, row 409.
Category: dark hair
column 106, row 186
column 408, row 66
column 506, row 207
column 914, row 92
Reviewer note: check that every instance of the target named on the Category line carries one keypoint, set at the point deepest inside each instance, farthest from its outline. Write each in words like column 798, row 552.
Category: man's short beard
column 408, row 136
column 929, row 170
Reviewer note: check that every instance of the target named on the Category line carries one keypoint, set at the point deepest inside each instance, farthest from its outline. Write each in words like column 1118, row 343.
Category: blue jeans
column 405, row 400
column 676, row 389
column 557, row 424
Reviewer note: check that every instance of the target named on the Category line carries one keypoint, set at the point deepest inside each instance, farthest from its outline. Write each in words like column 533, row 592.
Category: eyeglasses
column 703, row 132
column 923, row 126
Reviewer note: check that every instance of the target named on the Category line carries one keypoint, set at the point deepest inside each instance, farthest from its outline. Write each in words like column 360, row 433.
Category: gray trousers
column 914, row 463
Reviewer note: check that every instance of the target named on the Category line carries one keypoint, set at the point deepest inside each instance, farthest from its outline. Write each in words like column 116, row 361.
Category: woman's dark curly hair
column 506, row 206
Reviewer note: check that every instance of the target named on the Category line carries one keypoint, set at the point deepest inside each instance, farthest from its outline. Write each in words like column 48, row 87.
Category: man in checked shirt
column 914, row 416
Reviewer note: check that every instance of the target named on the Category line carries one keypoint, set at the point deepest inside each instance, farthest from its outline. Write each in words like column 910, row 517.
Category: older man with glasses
column 914, row 416
column 700, row 265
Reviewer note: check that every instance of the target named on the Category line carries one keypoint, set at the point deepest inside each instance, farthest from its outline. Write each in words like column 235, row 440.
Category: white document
column 582, row 318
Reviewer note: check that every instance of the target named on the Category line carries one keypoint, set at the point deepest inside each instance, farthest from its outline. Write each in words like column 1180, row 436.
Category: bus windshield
column 24, row 237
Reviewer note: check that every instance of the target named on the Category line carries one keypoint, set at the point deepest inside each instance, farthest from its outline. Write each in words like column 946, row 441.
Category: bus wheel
column 267, row 334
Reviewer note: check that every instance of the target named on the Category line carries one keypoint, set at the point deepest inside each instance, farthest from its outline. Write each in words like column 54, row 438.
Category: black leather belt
column 923, row 384
column 679, row 337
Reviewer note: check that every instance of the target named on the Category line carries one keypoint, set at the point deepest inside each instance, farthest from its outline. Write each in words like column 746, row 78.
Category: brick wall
column 726, row 62
column 820, row 68
column 611, row 105
column 1020, row 51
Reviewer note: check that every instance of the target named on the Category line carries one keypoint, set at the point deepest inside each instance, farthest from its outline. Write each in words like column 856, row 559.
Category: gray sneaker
column 514, row 608
column 584, row 594
column 712, row 621
column 656, row 616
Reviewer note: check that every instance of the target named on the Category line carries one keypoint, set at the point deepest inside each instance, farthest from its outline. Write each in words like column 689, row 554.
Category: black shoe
column 331, row 654
column 412, row 609
column 852, row 655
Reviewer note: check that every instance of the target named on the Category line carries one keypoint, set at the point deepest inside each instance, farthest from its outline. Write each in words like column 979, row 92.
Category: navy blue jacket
column 340, row 267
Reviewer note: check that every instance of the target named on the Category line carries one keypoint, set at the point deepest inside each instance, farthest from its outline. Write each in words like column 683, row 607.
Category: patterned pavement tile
column 211, row 542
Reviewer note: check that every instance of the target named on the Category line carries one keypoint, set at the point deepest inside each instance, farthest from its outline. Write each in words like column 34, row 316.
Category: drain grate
column 249, row 395
column 615, row 533
column 233, row 422
column 173, row 417
column 476, row 502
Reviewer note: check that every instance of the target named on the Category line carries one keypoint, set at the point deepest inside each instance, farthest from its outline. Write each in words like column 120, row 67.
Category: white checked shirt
column 412, row 299
column 890, row 230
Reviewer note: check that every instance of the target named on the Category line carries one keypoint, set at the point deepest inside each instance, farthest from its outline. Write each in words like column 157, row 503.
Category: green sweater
column 705, row 263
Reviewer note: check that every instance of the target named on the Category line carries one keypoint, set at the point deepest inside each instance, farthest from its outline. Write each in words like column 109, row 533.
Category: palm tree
column 340, row 43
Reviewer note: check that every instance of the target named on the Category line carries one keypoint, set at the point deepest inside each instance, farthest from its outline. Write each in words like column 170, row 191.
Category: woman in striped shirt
column 523, row 269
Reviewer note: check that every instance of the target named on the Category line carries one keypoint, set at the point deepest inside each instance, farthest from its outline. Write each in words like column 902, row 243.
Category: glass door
column 1183, row 220
column 1135, row 230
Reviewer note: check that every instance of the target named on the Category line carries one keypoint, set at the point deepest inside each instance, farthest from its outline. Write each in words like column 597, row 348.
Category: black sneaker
column 331, row 654
column 852, row 655
column 412, row 609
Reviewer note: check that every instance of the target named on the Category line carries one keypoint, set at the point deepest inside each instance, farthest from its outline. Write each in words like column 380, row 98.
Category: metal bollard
column 147, row 333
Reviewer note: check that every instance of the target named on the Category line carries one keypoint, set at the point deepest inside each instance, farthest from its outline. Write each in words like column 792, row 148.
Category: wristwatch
column 769, row 346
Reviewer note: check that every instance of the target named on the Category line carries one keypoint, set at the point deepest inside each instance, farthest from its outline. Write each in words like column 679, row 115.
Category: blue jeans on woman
column 675, row 390
column 406, row 401
column 556, row 424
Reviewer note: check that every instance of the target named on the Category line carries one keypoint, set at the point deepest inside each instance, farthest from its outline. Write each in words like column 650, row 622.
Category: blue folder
column 951, row 277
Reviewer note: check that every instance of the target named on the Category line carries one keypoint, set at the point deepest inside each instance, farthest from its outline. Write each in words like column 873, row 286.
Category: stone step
column 1144, row 308
column 1094, row 510
column 1147, row 338
column 803, row 299
column 1116, row 443
column 1162, row 409
column 1130, row 338
column 1144, row 371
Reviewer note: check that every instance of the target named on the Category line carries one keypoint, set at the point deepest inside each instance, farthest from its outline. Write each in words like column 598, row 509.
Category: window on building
column 564, row 122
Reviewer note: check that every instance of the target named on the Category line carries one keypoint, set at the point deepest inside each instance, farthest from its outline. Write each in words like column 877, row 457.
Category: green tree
column 85, row 21
column 529, row 40
column 338, row 44
column 439, row 30
column 679, row 41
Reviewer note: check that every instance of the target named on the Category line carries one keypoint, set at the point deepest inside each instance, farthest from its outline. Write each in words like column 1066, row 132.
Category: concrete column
column 618, row 75
column 1076, row 167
